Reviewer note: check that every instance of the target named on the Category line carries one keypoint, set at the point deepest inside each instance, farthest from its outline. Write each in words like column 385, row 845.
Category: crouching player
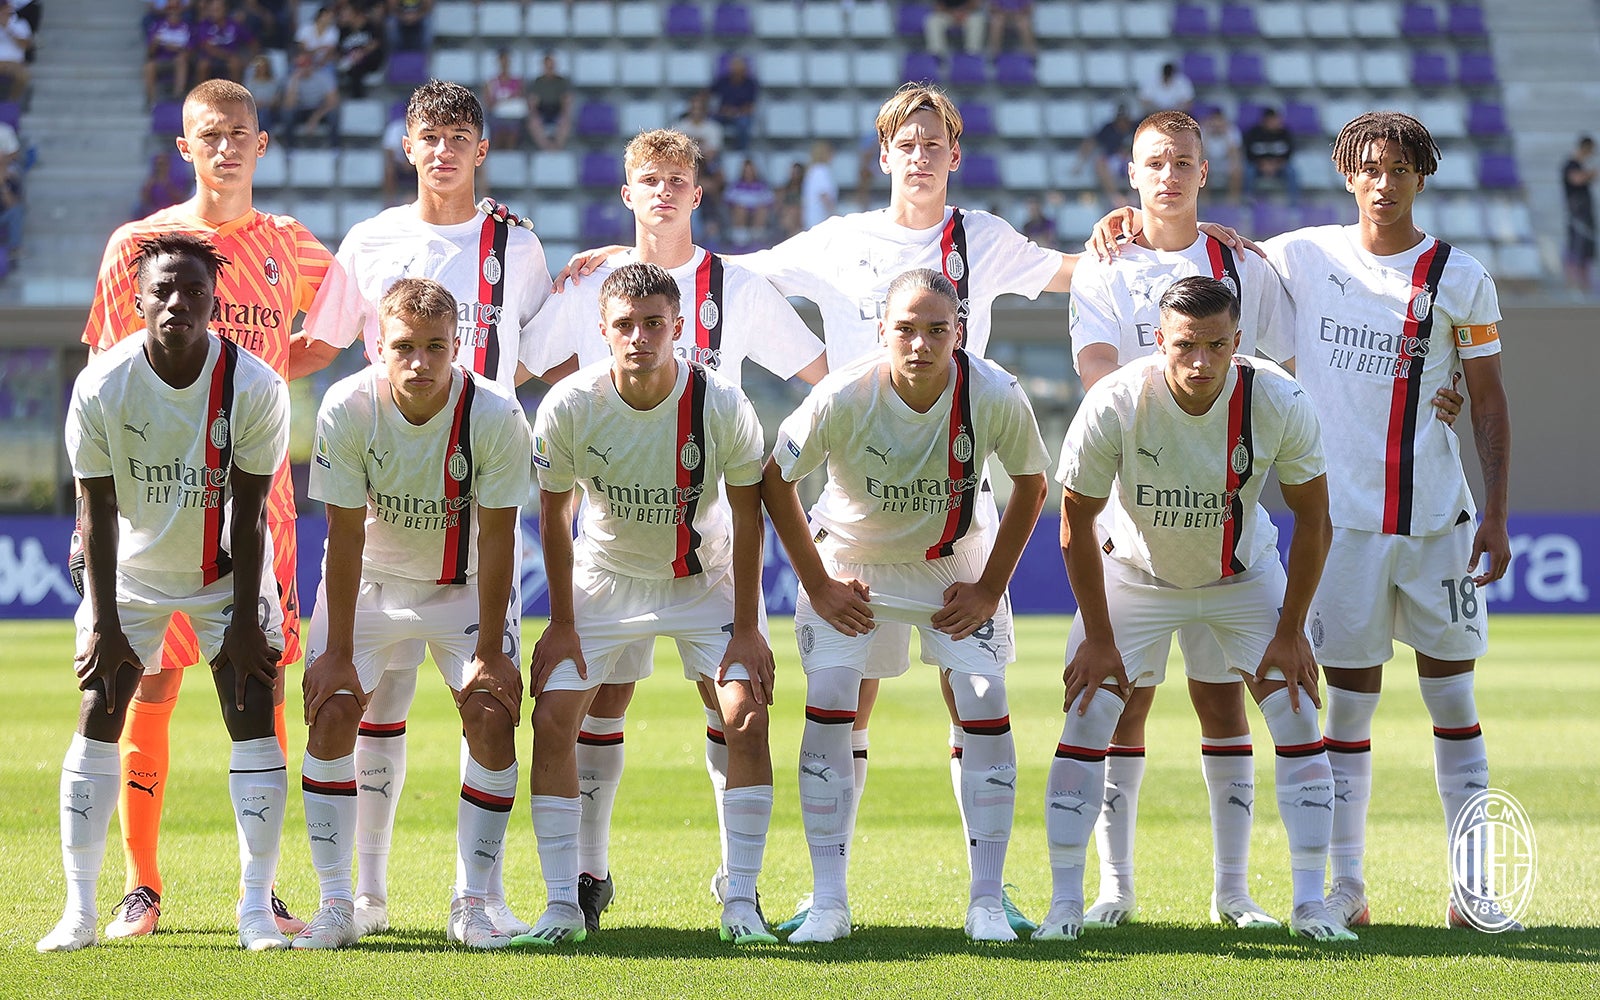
column 174, row 436
column 652, row 439
column 899, row 535
column 1189, row 543
column 423, row 466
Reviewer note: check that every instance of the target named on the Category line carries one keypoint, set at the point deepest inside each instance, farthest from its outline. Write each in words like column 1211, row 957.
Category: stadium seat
column 363, row 168
column 1466, row 20
column 1289, row 69
column 1498, row 171
column 593, row 69
column 547, row 19
column 361, row 118
column 1419, row 20
column 1483, row 252
column 1098, row 19
column 866, row 21
column 921, row 67
column 1429, row 69
column 968, row 69
column 684, row 20
column 1455, row 173
column 777, row 20
column 642, row 70
column 784, row 120
column 1147, row 19
column 834, row 120
column 1200, row 68
column 1020, row 119
column 1075, row 220
column 732, row 20
column 353, row 210
column 313, row 169
column 1375, row 19
column 1238, row 21
column 874, row 70
column 638, row 19
column 600, row 170
column 780, row 69
column 1446, row 117
column 1054, row 21
column 1060, row 68
column 320, row 217
column 166, row 118
column 1282, row 21
column 688, row 68
column 499, row 19
column 908, row 19
column 455, row 19
column 1477, row 70
column 1314, row 169
column 978, row 170
column 822, row 19
column 1338, row 69
column 1328, row 20
column 1067, row 121
column 977, row 119
column 1384, row 69
column 1248, row 113
column 272, row 169
column 554, row 169
column 1145, row 62
column 596, row 120
column 1460, row 219
column 1025, row 171
column 508, row 170
column 1014, row 69
column 591, row 19
column 457, row 65
column 1245, row 70
column 11, row 113
column 1107, row 69
column 640, row 116
column 556, row 219
column 605, row 222
column 1302, row 119
column 1486, row 120
column 827, row 69
column 1519, row 262
column 1339, row 111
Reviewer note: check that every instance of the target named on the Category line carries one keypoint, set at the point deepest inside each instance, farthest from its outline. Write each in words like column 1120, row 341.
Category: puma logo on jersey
column 380, row 459
column 138, row 430
column 150, row 790
column 486, row 854
column 604, row 456
column 882, row 455
column 1154, row 456
column 1234, row 800
column 1341, row 284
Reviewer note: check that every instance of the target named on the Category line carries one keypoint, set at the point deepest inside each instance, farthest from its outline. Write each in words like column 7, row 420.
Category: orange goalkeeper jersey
column 275, row 268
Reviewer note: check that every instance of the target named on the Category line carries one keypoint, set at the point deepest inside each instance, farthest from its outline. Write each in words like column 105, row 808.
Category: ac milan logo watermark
column 1494, row 861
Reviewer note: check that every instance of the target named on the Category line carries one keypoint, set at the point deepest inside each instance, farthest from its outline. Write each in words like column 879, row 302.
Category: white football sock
column 988, row 778
column 1460, row 759
column 328, row 790
column 1349, row 743
column 497, row 871
column 1119, row 813
column 1075, row 788
column 600, row 757
column 258, row 784
column 1230, row 771
column 860, row 743
column 91, row 774
column 717, row 771
column 958, row 746
column 1304, row 783
column 486, row 800
column 748, row 816
column 555, row 827
column 380, row 777
column 827, row 779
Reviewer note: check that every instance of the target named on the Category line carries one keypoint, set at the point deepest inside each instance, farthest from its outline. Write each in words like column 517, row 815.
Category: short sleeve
column 88, row 446
column 1018, row 444
column 1269, row 314
column 552, row 337
column 1477, row 335
column 1091, row 315
column 338, row 465
column 552, row 445
column 1092, row 451
column 313, row 262
column 746, row 445
column 802, row 446
column 261, row 437
column 503, row 475
column 340, row 314
column 1300, row 457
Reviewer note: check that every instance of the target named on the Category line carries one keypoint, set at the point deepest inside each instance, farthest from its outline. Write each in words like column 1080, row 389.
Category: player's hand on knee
column 1096, row 664
column 1492, row 540
column 1230, row 237
column 245, row 651
column 967, row 608
column 1290, row 654
column 102, row 659
column 1447, row 402
column 558, row 644
column 327, row 674
column 497, row 676
column 583, row 264
column 843, row 604
column 749, row 649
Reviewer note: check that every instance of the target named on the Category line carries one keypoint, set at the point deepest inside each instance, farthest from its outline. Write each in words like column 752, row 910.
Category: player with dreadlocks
column 1386, row 315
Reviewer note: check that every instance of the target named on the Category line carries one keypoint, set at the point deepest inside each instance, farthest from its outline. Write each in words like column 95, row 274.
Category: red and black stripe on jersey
column 458, row 536
column 1225, row 267
column 1405, row 402
column 709, row 311
column 484, row 357
column 962, row 471
column 955, row 261
column 1240, row 444
column 691, row 451
column 216, row 562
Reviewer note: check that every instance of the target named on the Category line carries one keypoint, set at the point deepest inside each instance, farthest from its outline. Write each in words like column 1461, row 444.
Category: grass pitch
column 1538, row 691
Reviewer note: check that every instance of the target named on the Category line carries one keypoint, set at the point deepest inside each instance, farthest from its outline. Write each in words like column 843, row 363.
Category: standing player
column 905, row 433
column 424, row 467
column 1385, row 316
column 277, row 268
column 1115, row 318
column 174, row 437
column 734, row 315
column 496, row 273
column 653, row 440
column 1189, row 544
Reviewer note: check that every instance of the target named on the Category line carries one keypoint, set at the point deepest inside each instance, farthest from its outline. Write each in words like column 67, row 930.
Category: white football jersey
column 845, row 264
column 1116, row 302
column 729, row 314
column 169, row 453
column 422, row 485
column 496, row 272
column 1184, row 490
column 654, row 506
column 904, row 486
column 1374, row 339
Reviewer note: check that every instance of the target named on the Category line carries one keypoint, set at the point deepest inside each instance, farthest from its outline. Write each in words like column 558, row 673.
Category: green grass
column 1540, row 700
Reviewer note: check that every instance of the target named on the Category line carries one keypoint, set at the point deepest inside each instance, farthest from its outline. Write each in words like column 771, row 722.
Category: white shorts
column 1377, row 588
column 409, row 617
column 906, row 596
column 614, row 613
column 1241, row 614
column 145, row 613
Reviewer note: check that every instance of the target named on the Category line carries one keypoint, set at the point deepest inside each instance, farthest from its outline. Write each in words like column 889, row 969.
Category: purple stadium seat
column 1322, row 214
column 406, row 69
column 1477, row 70
column 1202, row 110
column 1429, row 69
column 908, row 19
column 1302, row 118
column 1486, row 119
column 1014, row 69
column 977, row 119
column 1250, row 112
column 397, row 110
column 1238, row 21
column 1269, row 218
column 1245, row 69
column 597, row 119
column 1200, row 68
column 1419, row 20
column 968, row 69
column 731, row 20
column 1225, row 213
column 1466, row 21
column 600, row 170
column 5, row 262
column 921, row 67
column 684, row 20
column 1498, row 170
column 1190, row 21
column 166, row 118
column 11, row 113
column 979, row 171
column 606, row 222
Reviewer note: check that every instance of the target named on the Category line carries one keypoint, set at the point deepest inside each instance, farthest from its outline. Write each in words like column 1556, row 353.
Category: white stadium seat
column 457, row 66
column 827, row 69
column 354, row 210
column 1020, row 118
column 320, row 217
column 1107, row 69
column 822, row 19
column 1385, row 69
column 784, row 119
column 313, row 169
column 1329, row 19
column 455, row 19
column 591, row 19
column 1315, row 170
column 638, row 20
column 1281, row 20
column 1375, row 19
column 1446, row 117
column 1099, row 19
column 1147, row 19
column 688, row 69
column 1025, row 171
column 1064, row 120
column 272, row 170
column 592, row 68
column 507, row 169
column 362, row 118
column 1461, row 220
column 547, row 19
column 1055, row 20
column 556, row 219
column 1520, row 262
column 833, row 119
column 555, row 168
column 500, row 19
column 780, row 68
column 1060, row 68
column 874, row 69
column 642, row 70
column 1289, row 69
column 866, row 21
column 363, row 168
column 1455, row 173
column 1338, row 70
column 638, row 116
column 776, row 19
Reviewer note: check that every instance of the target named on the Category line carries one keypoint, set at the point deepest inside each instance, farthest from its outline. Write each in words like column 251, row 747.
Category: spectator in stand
column 1268, row 148
column 750, row 202
column 1577, row 176
column 164, row 186
column 1018, row 16
column 708, row 135
column 11, row 207
column 1224, row 154
column 735, row 92
column 505, row 103
column 222, row 44
column 1039, row 227
column 155, row 11
column 167, row 55
column 399, row 176
column 968, row 15
column 551, row 93
column 361, row 47
column 320, row 39
column 269, row 21
column 1169, row 91
column 411, row 25
column 790, row 219
column 310, row 102
column 30, row 13
column 16, row 41
column 819, row 195
column 1110, row 149
column 267, row 89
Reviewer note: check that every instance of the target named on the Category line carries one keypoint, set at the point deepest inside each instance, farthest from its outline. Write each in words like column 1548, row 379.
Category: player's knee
column 160, row 686
column 556, row 720
column 484, row 718
column 745, row 726
column 338, row 715
column 1220, row 708
column 835, row 689
column 611, row 701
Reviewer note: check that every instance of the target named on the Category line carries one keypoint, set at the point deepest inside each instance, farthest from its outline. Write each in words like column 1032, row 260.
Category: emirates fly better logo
column 1494, row 861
